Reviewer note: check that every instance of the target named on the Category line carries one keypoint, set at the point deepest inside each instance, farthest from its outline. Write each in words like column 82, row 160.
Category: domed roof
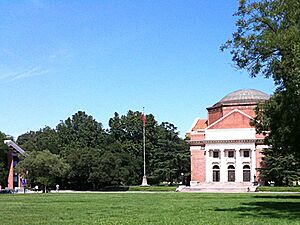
column 243, row 96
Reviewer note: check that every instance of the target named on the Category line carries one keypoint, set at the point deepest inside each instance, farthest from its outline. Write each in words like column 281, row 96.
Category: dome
column 243, row 96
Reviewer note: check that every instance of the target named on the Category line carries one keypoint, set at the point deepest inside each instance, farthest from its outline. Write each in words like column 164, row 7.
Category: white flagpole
column 144, row 182
column 144, row 142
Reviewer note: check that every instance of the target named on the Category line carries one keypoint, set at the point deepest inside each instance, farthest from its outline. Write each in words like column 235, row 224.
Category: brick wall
column 235, row 120
column 197, row 165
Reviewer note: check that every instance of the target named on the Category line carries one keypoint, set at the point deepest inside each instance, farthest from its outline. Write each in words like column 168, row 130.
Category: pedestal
column 144, row 183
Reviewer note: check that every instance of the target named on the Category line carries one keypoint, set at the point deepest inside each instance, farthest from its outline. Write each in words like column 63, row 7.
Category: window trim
column 246, row 151
column 231, row 151
column 216, row 152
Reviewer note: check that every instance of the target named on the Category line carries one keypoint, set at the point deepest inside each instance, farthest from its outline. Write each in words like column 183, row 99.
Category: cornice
column 203, row 142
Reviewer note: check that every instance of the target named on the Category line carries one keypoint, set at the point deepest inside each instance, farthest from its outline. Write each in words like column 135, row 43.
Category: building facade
column 225, row 147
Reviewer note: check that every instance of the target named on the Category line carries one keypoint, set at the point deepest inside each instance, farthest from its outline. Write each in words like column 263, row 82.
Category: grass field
column 150, row 208
column 153, row 188
column 279, row 189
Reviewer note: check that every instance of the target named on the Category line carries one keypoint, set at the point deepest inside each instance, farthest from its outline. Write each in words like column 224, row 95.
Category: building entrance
column 246, row 173
column 216, row 173
column 231, row 173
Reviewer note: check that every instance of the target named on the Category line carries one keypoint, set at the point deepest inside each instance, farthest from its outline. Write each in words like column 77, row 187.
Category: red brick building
column 14, row 179
column 225, row 147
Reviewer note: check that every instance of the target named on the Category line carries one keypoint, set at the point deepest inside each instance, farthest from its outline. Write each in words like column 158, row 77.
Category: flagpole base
column 144, row 182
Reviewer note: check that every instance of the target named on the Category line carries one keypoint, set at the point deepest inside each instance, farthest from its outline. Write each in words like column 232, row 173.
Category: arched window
column 216, row 173
column 231, row 173
column 246, row 173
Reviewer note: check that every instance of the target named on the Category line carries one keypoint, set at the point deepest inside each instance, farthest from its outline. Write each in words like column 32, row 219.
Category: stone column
column 238, row 166
column 223, row 166
column 253, row 164
column 208, row 169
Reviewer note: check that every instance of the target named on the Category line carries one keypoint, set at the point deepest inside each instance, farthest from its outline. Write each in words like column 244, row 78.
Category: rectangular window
column 216, row 154
column 230, row 154
column 246, row 154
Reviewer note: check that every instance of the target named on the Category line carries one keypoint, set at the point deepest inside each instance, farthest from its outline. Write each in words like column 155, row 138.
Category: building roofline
column 228, row 114
column 12, row 144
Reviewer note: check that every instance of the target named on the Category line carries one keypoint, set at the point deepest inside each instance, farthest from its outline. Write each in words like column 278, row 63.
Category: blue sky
column 58, row 57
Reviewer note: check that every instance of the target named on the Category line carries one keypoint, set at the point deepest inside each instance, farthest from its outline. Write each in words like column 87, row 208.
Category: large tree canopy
column 44, row 139
column 80, row 131
column 267, row 40
column 267, row 43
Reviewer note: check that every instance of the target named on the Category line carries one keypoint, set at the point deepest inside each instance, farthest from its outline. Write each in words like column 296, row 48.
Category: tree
column 82, row 161
column 167, row 155
column 97, row 158
column 171, row 155
column 280, row 167
column 80, row 131
column 112, row 169
column 274, row 119
column 3, row 160
column 42, row 168
column 267, row 40
column 27, row 141
column 267, row 43
column 127, row 131
column 44, row 139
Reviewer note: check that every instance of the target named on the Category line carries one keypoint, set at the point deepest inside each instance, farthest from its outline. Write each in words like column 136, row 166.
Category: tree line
column 80, row 154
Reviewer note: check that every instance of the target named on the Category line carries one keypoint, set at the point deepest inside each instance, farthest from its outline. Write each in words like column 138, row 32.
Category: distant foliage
column 98, row 158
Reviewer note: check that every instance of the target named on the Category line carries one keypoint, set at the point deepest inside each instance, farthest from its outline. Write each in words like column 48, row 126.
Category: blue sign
column 24, row 182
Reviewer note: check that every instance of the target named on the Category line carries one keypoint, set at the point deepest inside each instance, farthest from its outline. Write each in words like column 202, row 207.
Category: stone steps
column 205, row 189
column 225, row 184
column 219, row 187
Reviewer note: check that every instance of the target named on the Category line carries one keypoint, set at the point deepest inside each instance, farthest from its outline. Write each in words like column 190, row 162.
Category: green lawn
column 279, row 189
column 153, row 188
column 150, row 208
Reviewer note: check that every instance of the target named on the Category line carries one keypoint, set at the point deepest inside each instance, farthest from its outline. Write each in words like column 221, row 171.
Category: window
column 15, row 180
column 216, row 173
column 246, row 153
column 231, row 173
column 216, row 154
column 230, row 154
column 246, row 173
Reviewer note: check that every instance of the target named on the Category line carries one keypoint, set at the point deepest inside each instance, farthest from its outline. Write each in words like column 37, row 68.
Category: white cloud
column 36, row 71
column 10, row 72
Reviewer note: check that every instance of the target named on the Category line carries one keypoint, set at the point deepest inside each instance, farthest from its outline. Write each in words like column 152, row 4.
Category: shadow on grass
column 278, row 196
column 270, row 209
